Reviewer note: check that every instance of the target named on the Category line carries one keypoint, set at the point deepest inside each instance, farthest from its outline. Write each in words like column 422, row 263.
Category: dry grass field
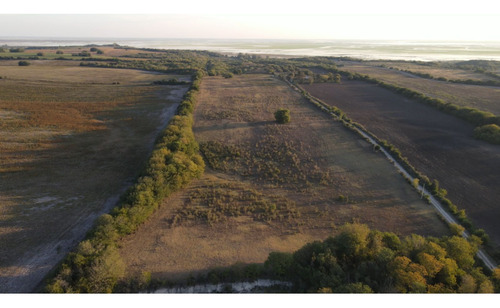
column 439, row 145
column 270, row 187
column 481, row 97
column 71, row 140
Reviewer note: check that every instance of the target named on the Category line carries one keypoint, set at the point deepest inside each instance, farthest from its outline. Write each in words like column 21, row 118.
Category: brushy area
column 95, row 266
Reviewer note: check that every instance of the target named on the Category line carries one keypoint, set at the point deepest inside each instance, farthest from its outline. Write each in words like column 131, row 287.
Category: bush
column 490, row 133
column 16, row 49
column 23, row 63
column 282, row 116
column 40, row 54
column 59, row 52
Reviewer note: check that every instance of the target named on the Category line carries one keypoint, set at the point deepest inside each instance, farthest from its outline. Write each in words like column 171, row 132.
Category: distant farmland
column 439, row 145
column 71, row 139
column 475, row 96
column 270, row 187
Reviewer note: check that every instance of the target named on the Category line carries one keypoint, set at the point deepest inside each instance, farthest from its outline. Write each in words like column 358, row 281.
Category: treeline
column 360, row 260
column 95, row 265
column 433, row 186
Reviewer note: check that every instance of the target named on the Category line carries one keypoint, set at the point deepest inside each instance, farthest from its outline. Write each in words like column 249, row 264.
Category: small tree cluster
column 360, row 260
column 23, row 63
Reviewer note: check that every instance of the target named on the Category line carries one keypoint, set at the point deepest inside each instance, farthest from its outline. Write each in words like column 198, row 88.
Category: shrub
column 59, row 52
column 40, row 54
column 282, row 116
column 16, row 49
column 490, row 133
column 23, row 63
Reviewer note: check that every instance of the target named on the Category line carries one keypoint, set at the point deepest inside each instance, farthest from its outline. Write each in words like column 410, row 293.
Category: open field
column 480, row 97
column 71, row 140
column 270, row 187
column 439, row 145
column 435, row 70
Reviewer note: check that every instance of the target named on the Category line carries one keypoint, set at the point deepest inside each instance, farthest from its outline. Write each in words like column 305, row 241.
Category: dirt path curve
column 27, row 275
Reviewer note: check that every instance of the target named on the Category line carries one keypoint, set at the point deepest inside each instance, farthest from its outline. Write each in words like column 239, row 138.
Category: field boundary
column 95, row 266
column 401, row 164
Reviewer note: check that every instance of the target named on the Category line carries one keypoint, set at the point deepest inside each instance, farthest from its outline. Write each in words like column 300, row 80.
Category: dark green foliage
column 40, row 54
column 16, row 49
column 24, row 63
column 282, row 116
column 360, row 260
column 59, row 52
column 96, row 266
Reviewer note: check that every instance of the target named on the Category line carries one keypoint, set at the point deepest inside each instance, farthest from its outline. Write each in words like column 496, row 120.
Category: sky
column 477, row 20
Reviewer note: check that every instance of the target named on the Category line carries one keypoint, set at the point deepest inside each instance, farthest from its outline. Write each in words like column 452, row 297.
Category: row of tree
column 95, row 266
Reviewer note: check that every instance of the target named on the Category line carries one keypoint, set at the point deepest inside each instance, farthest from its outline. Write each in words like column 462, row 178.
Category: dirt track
column 439, row 145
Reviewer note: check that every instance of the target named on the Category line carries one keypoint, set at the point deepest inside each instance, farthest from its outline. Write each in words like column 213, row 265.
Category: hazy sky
column 257, row 19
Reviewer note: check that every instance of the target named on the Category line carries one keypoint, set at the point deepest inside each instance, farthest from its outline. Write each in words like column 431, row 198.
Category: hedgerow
column 95, row 266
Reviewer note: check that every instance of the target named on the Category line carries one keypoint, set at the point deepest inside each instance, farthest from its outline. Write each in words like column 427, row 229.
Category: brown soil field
column 270, row 187
column 481, row 97
column 70, row 143
column 439, row 145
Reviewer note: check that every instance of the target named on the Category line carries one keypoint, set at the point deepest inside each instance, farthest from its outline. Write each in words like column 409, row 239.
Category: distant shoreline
column 362, row 49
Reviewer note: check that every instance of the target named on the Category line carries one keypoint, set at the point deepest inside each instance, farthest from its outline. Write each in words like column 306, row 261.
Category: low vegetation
column 218, row 202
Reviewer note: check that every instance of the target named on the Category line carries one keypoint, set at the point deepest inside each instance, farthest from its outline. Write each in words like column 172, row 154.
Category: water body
column 370, row 50
column 235, row 287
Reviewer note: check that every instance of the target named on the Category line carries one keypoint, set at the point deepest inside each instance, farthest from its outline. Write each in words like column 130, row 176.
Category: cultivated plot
column 480, row 97
column 439, row 145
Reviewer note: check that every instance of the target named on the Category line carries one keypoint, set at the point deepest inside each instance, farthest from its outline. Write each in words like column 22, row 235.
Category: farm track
column 481, row 254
